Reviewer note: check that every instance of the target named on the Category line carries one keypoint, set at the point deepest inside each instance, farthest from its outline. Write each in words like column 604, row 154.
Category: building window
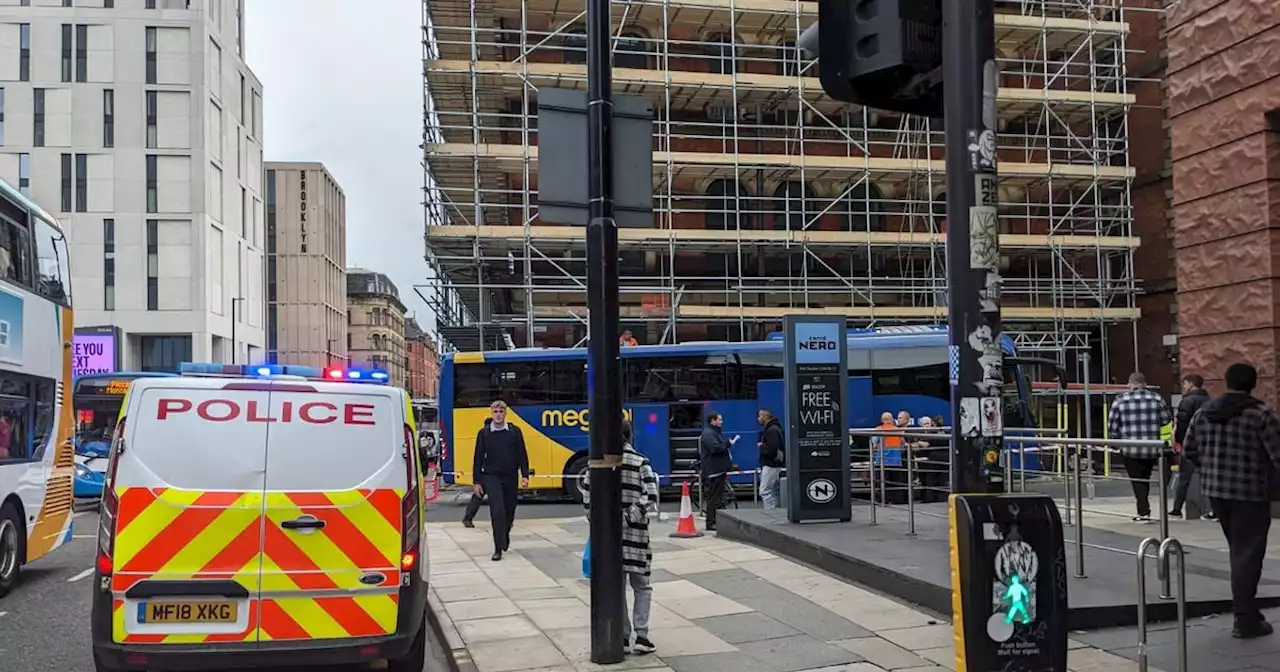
column 67, row 182
column 24, row 52
column 66, row 51
column 24, row 174
column 1, row 116
column 151, row 4
column 108, row 264
column 151, row 53
column 152, row 113
column 82, row 53
column 574, row 46
column 244, row 213
column 243, row 104
column 722, row 53
column 38, row 125
column 153, row 265
column 271, row 212
column 240, row 27
column 109, row 4
column 164, row 353
column 632, row 51
column 82, row 183
column 795, row 204
column 255, row 115
column 108, row 118
column 153, row 197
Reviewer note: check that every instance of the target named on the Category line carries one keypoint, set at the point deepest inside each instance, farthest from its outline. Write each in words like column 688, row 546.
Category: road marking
column 82, row 575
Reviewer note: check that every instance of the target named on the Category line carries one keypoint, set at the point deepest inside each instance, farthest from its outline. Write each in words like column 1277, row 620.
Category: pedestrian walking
column 639, row 499
column 500, row 458
column 716, row 456
column 1138, row 415
column 1193, row 397
column 773, row 456
column 1234, row 441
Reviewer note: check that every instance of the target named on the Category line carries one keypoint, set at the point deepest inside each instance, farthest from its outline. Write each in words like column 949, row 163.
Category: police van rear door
column 187, row 530
column 336, row 474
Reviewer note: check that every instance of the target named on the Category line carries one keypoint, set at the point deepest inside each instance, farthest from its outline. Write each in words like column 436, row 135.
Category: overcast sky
column 342, row 83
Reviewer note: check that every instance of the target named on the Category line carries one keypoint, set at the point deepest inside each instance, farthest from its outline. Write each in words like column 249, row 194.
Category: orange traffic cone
column 685, row 527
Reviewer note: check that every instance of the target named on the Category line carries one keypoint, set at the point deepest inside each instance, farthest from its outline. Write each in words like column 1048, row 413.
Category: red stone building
column 1223, row 86
column 423, row 362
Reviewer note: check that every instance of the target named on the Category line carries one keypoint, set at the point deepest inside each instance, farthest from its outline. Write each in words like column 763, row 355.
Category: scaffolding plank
column 518, row 235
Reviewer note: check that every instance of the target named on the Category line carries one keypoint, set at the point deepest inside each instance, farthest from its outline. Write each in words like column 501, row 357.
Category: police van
column 261, row 516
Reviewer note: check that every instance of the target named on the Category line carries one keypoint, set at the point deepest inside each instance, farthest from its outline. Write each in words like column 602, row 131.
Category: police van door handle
column 303, row 523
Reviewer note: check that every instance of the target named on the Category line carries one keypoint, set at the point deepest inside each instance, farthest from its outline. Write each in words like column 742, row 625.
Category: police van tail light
column 110, row 502
column 409, row 505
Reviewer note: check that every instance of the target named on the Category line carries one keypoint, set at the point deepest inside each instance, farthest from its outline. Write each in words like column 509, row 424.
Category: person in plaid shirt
column 1234, row 441
column 1138, row 415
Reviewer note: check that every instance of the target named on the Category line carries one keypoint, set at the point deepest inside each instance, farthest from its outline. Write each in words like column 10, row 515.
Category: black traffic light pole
column 608, row 601
column 970, row 82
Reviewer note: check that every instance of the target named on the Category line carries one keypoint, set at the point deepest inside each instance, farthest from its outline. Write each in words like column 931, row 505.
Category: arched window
column 796, row 203
column 573, row 45
column 631, row 51
column 724, row 211
column 788, row 59
column 720, row 49
column 864, row 209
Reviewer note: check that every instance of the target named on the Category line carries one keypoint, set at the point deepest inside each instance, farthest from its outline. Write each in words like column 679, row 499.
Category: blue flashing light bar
column 371, row 376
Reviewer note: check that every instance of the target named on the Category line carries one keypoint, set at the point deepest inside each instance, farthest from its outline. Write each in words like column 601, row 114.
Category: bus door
column 650, row 425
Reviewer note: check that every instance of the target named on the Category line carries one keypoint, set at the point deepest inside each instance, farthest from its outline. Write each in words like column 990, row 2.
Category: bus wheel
column 573, row 487
column 12, row 537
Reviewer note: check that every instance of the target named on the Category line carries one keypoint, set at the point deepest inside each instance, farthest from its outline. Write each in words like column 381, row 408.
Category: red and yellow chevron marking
column 172, row 534
column 50, row 528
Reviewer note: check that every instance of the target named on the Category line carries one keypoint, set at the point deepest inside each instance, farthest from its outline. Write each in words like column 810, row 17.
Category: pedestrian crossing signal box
column 1008, row 583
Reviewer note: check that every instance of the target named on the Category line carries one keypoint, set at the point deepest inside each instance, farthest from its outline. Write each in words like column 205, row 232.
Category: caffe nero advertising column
column 817, row 387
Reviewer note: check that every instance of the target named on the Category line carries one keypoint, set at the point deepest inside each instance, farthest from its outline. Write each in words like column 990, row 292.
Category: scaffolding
column 770, row 198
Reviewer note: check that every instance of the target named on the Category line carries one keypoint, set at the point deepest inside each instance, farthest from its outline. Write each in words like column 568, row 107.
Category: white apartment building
column 138, row 122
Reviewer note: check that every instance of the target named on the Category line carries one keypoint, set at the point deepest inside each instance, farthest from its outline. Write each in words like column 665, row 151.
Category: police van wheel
column 416, row 659
column 12, row 538
column 100, row 666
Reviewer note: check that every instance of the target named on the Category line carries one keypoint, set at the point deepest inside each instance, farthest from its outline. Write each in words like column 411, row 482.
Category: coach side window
column 53, row 273
column 15, row 251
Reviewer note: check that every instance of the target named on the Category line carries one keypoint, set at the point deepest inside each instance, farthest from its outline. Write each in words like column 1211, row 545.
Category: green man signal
column 1017, row 595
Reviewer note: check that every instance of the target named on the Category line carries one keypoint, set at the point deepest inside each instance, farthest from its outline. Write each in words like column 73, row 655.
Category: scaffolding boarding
column 770, row 198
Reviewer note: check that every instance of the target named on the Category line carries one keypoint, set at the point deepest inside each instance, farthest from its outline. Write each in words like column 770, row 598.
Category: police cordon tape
column 689, row 475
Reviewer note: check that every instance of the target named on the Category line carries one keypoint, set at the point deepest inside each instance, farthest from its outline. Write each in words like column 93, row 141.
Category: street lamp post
column 234, row 319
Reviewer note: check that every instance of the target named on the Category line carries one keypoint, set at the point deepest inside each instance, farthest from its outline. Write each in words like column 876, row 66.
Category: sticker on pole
column 821, row 491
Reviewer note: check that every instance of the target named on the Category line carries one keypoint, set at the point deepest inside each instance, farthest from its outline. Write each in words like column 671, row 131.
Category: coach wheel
column 11, row 543
column 575, row 487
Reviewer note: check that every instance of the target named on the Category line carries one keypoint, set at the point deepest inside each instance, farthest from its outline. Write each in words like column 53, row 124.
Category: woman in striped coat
column 639, row 498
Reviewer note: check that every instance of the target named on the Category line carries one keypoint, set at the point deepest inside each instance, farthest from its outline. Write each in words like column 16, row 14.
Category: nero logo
column 818, row 344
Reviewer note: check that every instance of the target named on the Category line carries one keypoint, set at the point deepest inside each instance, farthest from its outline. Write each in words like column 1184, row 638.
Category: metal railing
column 1168, row 547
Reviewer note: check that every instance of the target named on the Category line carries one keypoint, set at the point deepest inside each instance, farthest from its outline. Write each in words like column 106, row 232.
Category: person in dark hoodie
column 1193, row 397
column 773, row 455
column 1234, row 442
column 500, row 455
column 717, row 460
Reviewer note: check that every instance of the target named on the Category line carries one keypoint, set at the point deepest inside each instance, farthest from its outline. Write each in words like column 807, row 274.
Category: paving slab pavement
column 718, row 605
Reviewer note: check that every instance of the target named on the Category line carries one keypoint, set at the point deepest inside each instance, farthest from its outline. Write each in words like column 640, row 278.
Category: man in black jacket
column 500, row 456
column 1234, row 441
column 1193, row 397
column 773, row 455
column 717, row 460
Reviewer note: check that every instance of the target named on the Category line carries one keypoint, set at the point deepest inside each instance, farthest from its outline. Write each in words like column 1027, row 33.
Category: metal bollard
column 1088, row 420
column 1142, row 601
column 911, row 492
column 1066, row 481
column 755, row 485
column 1022, row 467
column 871, row 483
column 1079, row 522
column 1163, row 566
column 1163, row 557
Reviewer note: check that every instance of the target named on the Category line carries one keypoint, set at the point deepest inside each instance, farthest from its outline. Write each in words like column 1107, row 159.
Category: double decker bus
column 97, row 398
column 36, row 423
column 668, row 390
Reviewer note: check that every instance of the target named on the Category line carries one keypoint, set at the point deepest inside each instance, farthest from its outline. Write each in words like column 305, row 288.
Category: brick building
column 422, row 362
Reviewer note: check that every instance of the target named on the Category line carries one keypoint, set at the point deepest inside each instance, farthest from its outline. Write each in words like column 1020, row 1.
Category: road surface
column 44, row 622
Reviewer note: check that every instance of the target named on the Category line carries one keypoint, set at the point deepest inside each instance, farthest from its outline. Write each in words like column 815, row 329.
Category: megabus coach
column 261, row 516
